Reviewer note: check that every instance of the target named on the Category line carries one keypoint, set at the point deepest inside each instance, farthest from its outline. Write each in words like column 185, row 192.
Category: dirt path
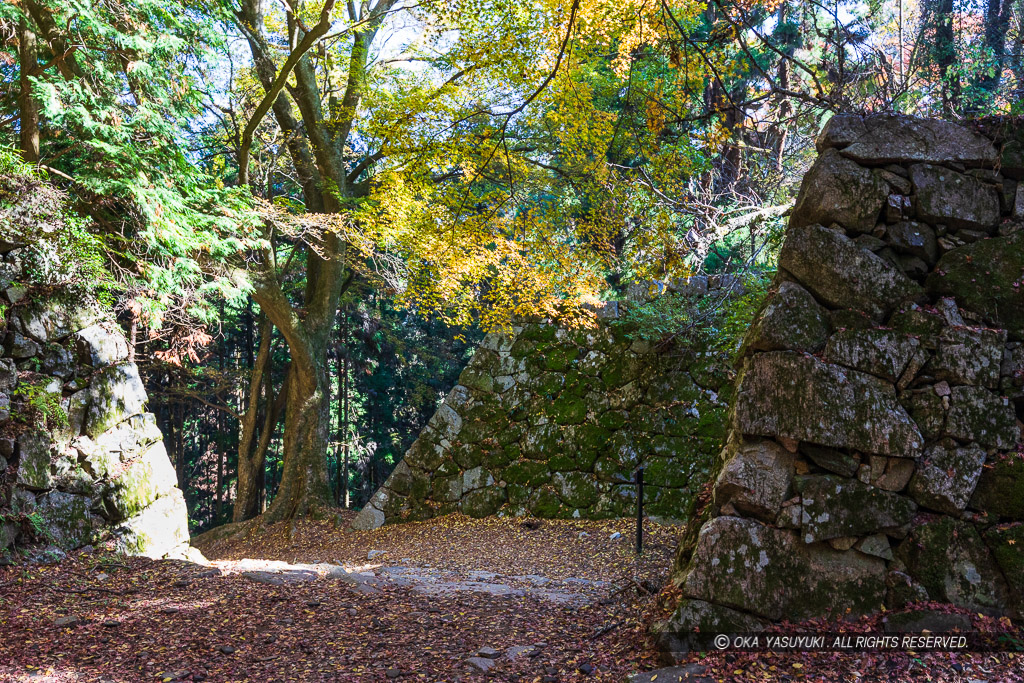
column 453, row 599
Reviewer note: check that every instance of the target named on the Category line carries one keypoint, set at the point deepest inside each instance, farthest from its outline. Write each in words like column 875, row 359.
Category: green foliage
column 73, row 259
column 11, row 164
column 39, row 405
column 38, row 527
column 715, row 321
column 119, row 86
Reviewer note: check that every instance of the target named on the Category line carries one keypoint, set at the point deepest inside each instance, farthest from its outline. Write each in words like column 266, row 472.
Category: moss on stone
column 483, row 502
column 926, row 409
column 568, row 410
column 562, row 462
column 523, row 347
column 561, row 358
column 646, row 421
column 448, row 468
column 985, row 278
column 621, row 371
column 420, row 488
column 668, row 472
column 612, row 419
column 549, row 384
column 446, row 489
column 528, row 473
column 1007, row 545
column 949, row 558
column 467, row 455
column 538, row 333
column 1000, row 489
column 545, row 503
column 476, row 378
column 666, row 502
column 498, row 457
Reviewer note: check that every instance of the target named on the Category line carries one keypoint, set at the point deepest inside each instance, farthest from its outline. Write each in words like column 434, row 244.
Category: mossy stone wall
column 553, row 422
column 81, row 461
column 874, row 457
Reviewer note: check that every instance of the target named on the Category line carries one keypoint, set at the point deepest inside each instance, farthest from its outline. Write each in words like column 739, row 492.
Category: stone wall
column 552, row 423
column 81, row 462
column 874, row 457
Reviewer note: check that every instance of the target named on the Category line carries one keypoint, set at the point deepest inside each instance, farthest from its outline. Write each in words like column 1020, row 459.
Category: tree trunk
column 304, row 486
column 339, row 434
column 997, row 24
column 250, row 464
column 29, row 107
column 304, row 489
column 345, row 420
column 945, row 55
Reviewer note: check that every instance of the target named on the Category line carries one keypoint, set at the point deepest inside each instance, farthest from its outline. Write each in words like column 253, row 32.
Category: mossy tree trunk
column 250, row 458
column 29, row 107
column 316, row 149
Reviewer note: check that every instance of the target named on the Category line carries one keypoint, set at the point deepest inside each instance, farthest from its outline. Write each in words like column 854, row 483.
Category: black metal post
column 639, row 510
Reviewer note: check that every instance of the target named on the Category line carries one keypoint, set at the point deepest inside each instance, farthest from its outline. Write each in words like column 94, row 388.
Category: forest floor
column 449, row 600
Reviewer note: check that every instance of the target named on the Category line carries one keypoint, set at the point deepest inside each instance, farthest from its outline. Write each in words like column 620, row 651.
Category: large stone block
column 101, row 345
column 837, row 190
column 946, row 477
column 483, row 502
column 916, row 239
column 954, row 199
column 8, row 375
column 576, row 489
column 985, row 278
column 898, row 139
column 842, row 274
column 425, row 453
column 35, row 448
column 926, row 410
column 976, row 414
column 695, row 621
column 884, row 353
column 116, row 393
column 835, row 507
column 768, row 572
column 755, row 478
column 128, row 438
column 799, row 397
column 369, row 517
column 791, row 320
column 840, row 131
column 146, row 479
column 949, row 558
column 446, row 422
column 161, row 530
column 66, row 518
column 1000, row 489
column 51, row 320
column 1006, row 542
column 969, row 356
column 20, row 347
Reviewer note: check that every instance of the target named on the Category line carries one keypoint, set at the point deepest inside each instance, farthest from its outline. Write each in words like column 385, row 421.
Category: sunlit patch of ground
column 557, row 549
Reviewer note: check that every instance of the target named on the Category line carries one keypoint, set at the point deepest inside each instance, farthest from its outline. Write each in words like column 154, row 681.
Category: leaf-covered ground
column 99, row 618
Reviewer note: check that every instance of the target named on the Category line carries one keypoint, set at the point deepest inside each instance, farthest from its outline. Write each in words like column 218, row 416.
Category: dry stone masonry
column 874, row 455
column 551, row 422
column 97, row 471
